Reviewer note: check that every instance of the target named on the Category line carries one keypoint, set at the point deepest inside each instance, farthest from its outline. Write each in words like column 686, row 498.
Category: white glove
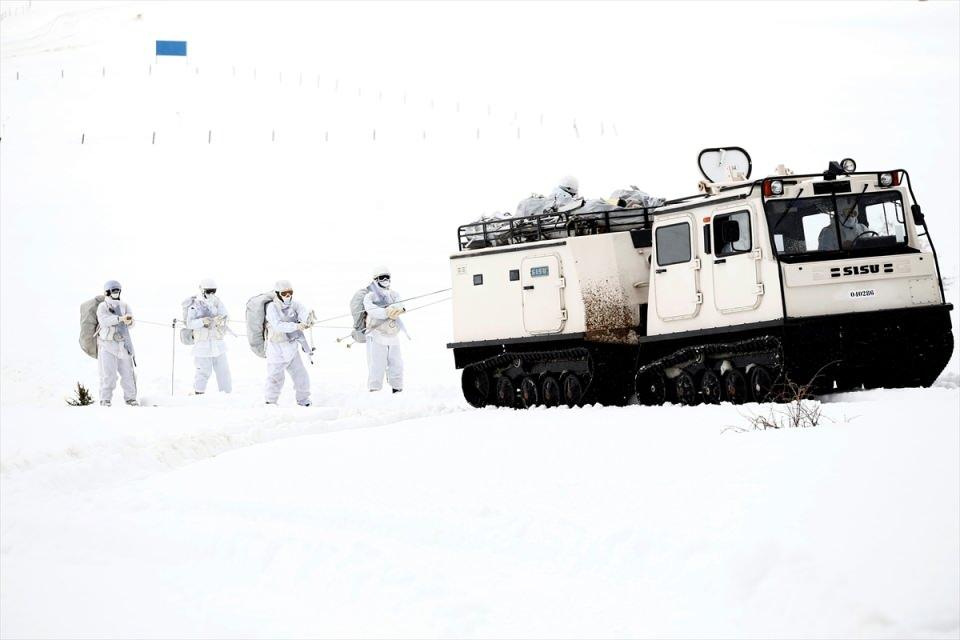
column 394, row 311
column 207, row 322
column 127, row 319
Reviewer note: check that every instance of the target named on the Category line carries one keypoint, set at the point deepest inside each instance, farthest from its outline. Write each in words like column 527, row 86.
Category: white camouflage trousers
column 384, row 358
column 299, row 374
column 205, row 366
column 110, row 365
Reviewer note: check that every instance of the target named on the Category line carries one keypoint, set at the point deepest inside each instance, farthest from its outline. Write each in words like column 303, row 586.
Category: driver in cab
column 850, row 230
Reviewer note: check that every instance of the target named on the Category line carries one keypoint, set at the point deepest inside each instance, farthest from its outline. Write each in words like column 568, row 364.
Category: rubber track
column 743, row 347
column 532, row 356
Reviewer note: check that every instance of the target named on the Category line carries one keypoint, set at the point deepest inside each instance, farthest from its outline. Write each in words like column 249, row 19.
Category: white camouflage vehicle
column 828, row 277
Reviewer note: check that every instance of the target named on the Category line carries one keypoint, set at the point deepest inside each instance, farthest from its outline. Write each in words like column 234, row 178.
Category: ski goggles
column 207, row 292
column 383, row 278
column 287, row 293
column 113, row 291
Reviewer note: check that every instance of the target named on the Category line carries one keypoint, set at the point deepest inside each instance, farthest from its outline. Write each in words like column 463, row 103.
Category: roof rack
column 550, row 226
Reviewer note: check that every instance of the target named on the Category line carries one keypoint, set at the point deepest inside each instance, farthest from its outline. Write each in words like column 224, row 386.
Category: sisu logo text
column 860, row 269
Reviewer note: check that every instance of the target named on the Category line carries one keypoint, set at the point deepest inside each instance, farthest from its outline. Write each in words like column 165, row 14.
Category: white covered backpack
column 89, row 325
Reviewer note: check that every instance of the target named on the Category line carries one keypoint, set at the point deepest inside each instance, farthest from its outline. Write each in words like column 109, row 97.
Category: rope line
column 175, row 322
column 349, row 315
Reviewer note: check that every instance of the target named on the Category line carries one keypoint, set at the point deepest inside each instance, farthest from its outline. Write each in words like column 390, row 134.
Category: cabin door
column 542, row 285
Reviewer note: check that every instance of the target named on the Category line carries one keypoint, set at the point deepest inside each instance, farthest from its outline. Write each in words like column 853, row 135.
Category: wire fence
column 317, row 109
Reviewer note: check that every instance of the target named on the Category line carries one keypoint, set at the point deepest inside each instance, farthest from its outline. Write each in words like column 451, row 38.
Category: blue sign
column 539, row 272
column 171, row 47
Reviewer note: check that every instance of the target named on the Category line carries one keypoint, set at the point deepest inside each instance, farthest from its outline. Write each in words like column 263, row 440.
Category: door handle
column 720, row 261
column 528, row 287
column 661, row 270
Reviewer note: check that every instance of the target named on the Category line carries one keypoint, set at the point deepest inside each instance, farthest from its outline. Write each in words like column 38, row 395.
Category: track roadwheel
column 710, row 390
column 529, row 394
column 550, row 393
column 476, row 386
column 506, row 392
column 651, row 387
column 572, row 390
column 686, row 389
column 761, row 383
column 735, row 386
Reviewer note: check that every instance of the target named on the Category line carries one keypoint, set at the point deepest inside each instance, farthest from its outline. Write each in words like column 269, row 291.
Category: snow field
column 412, row 515
column 651, row 522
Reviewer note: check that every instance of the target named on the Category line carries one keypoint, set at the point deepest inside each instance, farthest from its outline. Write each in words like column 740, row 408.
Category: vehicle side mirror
column 730, row 231
column 917, row 214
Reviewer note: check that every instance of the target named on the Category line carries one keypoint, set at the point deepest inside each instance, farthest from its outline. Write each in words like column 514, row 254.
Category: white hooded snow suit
column 113, row 356
column 850, row 230
column 284, row 338
column 209, row 349
column 383, row 339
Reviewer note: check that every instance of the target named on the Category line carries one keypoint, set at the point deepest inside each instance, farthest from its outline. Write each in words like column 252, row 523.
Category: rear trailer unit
column 829, row 279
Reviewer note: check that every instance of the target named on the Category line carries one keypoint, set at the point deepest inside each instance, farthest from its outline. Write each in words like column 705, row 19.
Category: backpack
column 186, row 334
column 257, row 322
column 359, row 316
column 89, row 325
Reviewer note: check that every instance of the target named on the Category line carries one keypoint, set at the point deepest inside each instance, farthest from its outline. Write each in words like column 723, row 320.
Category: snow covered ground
column 337, row 141
column 564, row 523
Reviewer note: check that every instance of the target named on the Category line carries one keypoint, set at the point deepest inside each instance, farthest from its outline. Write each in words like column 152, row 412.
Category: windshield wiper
column 855, row 202
column 787, row 210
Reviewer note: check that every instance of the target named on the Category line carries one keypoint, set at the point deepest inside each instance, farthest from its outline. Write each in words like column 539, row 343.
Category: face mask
column 114, row 294
column 209, row 293
column 286, row 296
column 384, row 281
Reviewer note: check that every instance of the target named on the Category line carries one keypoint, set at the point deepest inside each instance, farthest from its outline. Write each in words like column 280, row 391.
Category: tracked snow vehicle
column 828, row 277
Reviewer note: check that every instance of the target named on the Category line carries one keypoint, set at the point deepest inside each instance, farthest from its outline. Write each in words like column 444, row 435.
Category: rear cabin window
column 731, row 233
column 673, row 244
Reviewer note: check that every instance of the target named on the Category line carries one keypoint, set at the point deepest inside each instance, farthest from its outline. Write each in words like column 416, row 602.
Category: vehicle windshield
column 813, row 225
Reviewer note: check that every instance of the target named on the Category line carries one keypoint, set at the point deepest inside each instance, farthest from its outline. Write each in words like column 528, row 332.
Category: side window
column 731, row 233
column 673, row 244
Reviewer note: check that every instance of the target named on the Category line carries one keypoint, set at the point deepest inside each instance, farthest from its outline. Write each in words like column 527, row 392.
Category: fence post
column 209, row 136
column 173, row 352
column 153, row 138
column 83, row 137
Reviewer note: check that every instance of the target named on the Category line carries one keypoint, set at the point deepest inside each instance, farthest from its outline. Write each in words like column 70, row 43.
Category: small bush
column 81, row 397
column 798, row 411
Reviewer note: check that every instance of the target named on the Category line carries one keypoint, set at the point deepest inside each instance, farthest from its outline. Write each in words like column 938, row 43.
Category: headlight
column 886, row 179
column 772, row 188
column 848, row 165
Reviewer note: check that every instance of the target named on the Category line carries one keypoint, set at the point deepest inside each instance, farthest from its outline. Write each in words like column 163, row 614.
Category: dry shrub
column 81, row 397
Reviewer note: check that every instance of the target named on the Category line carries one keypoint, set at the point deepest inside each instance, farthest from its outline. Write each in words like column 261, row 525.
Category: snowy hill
column 311, row 142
